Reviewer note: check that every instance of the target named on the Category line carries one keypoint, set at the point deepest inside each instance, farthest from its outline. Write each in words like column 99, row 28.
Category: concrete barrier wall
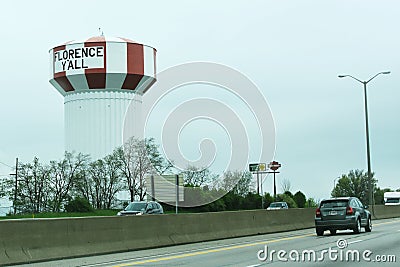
column 32, row 240
column 385, row 212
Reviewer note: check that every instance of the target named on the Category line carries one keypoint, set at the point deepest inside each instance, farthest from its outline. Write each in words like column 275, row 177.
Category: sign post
column 177, row 193
column 274, row 166
column 259, row 168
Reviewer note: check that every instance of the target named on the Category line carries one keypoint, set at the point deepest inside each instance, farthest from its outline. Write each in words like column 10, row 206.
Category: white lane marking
column 355, row 241
column 187, row 251
column 192, row 254
column 255, row 265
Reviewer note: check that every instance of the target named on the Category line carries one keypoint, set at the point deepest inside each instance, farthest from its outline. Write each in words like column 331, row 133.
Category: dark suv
column 142, row 207
column 343, row 213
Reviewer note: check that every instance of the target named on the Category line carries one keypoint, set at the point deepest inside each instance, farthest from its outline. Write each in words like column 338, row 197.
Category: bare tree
column 64, row 174
column 239, row 182
column 197, row 177
column 286, row 185
column 96, row 175
column 84, row 185
column 138, row 159
column 245, row 183
column 100, row 181
column 112, row 183
column 32, row 187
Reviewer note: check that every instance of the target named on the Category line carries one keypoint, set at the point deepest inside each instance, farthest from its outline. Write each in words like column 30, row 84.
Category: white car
column 278, row 206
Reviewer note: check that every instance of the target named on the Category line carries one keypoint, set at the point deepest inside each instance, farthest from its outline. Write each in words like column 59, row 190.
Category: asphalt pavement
column 381, row 247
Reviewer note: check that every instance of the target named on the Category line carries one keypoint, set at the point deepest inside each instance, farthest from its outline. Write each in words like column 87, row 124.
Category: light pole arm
column 364, row 82
column 344, row 76
column 382, row 72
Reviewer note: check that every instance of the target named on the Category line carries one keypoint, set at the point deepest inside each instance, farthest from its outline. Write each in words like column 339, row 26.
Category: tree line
column 59, row 184
column 42, row 187
column 242, row 196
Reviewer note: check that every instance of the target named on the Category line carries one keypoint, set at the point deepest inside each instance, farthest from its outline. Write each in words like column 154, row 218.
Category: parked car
column 142, row 207
column 278, row 206
column 344, row 213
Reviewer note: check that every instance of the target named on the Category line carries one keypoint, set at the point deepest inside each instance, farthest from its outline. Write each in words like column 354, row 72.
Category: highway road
column 381, row 247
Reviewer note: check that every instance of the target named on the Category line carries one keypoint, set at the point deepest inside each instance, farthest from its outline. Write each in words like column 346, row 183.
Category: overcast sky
column 292, row 50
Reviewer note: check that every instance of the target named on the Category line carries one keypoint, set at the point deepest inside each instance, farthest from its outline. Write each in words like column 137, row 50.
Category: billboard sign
column 257, row 167
column 163, row 187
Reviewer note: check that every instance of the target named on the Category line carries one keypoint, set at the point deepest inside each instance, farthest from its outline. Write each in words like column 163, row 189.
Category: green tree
column 252, row 201
column 233, row 201
column 353, row 184
column 311, row 203
column 194, row 195
column 268, row 199
column 300, row 199
column 286, row 198
column 378, row 195
column 288, row 193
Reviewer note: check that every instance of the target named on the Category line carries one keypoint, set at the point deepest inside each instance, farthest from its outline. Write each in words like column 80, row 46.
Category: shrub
column 311, row 203
column 78, row 205
column 300, row 199
column 284, row 197
column 268, row 199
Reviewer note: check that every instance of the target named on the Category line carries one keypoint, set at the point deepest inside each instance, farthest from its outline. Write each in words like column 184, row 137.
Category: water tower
column 98, row 78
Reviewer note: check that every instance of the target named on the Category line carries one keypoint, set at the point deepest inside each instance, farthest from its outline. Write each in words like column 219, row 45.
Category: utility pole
column 16, row 185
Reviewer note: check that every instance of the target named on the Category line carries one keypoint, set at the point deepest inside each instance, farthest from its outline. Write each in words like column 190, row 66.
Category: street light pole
column 367, row 128
column 368, row 151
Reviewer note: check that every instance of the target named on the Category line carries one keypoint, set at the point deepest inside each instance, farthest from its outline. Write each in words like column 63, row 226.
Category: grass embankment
column 61, row 214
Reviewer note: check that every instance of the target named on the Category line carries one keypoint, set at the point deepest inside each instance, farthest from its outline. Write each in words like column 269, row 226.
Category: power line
column 6, row 164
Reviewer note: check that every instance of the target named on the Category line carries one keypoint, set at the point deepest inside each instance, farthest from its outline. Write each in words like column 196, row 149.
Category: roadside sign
column 262, row 167
column 253, row 167
column 274, row 165
column 257, row 167
column 164, row 187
